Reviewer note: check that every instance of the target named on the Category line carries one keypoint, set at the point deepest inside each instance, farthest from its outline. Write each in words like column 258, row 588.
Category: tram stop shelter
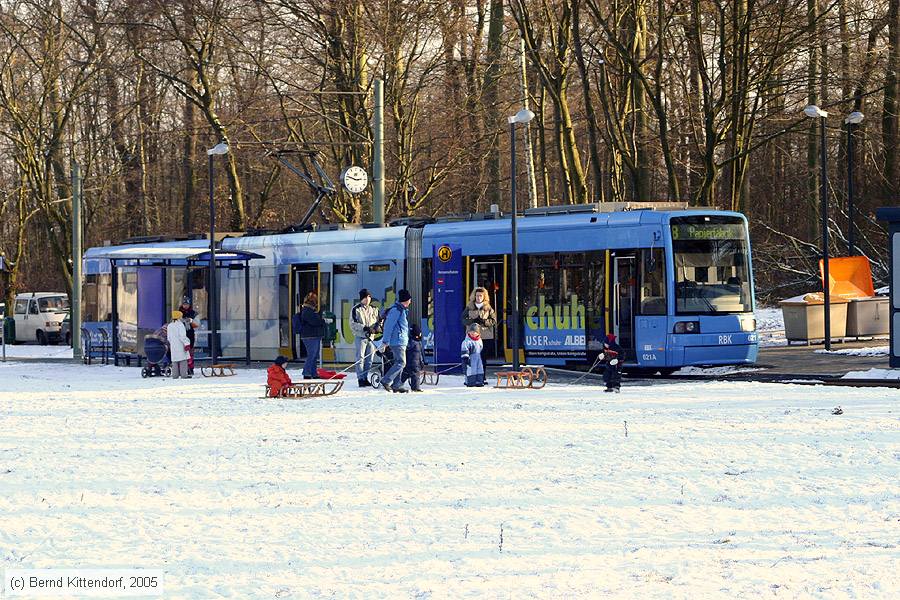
column 891, row 215
column 148, row 283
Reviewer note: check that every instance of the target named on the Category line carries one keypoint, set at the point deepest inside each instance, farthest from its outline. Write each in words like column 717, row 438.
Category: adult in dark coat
column 415, row 360
column 189, row 316
column 613, row 357
column 479, row 311
column 312, row 331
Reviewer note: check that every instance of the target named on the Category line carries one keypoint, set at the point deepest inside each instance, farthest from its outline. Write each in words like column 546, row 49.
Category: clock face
column 355, row 179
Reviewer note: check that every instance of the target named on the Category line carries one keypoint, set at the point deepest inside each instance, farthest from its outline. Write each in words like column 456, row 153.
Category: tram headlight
column 687, row 327
column 748, row 324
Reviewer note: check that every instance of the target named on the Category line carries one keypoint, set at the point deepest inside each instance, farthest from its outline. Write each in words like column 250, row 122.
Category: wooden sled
column 309, row 388
column 218, row 370
column 430, row 377
column 533, row 378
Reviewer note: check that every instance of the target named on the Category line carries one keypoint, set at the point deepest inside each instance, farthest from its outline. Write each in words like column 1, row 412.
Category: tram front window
column 712, row 273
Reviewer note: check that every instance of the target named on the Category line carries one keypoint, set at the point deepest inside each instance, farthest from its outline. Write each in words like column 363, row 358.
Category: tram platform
column 811, row 365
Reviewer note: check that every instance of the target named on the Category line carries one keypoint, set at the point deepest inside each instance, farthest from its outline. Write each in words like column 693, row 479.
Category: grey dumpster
column 804, row 318
column 868, row 316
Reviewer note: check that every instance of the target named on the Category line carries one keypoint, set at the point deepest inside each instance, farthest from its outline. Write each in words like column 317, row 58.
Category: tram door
column 305, row 280
column 487, row 272
column 623, row 299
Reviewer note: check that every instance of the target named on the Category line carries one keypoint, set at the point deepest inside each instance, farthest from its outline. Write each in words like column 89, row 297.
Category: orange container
column 848, row 277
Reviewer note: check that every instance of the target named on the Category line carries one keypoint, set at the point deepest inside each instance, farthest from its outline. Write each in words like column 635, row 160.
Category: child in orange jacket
column 278, row 377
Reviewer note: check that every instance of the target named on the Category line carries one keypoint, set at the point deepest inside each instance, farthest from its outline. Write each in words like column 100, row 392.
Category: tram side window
column 427, row 293
column 557, row 278
column 284, row 311
column 541, row 280
column 653, row 282
column 594, row 301
column 572, row 284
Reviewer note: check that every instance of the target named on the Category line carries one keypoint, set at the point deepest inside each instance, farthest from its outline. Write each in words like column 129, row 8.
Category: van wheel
column 41, row 338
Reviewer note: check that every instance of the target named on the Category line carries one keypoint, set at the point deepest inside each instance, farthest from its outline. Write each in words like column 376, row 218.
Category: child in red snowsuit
column 278, row 377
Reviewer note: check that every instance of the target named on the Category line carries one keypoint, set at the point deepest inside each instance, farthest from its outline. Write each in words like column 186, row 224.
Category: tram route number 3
column 445, row 253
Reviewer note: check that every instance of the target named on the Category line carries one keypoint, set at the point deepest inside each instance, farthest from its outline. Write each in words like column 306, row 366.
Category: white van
column 39, row 316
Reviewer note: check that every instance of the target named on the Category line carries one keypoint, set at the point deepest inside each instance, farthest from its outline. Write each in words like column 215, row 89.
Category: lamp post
column 814, row 112
column 75, row 314
column 854, row 118
column 218, row 149
column 523, row 116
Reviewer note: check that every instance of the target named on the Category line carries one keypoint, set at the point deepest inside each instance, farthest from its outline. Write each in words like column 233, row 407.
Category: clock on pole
column 355, row 179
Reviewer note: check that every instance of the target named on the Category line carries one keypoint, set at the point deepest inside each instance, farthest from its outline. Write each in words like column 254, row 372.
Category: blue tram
column 675, row 285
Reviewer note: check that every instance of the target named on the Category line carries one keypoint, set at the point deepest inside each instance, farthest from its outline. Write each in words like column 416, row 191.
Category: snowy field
column 35, row 351
column 770, row 326
column 718, row 490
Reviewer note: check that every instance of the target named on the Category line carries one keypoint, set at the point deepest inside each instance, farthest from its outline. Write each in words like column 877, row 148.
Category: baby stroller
column 381, row 364
column 158, row 363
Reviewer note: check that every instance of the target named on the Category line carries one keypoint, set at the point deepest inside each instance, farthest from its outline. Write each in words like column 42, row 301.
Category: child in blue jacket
column 471, row 356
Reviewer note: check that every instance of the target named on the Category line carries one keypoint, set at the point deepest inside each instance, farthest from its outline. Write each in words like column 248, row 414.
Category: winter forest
column 636, row 100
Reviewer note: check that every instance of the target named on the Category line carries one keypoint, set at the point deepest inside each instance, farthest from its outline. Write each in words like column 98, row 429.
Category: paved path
column 805, row 360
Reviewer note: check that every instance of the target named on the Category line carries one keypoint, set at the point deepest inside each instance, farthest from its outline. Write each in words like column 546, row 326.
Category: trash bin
column 9, row 330
column 330, row 327
column 868, row 316
column 804, row 317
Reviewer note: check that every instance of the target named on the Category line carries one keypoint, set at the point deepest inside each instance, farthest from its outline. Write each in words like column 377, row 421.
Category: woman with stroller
column 179, row 346
column 312, row 330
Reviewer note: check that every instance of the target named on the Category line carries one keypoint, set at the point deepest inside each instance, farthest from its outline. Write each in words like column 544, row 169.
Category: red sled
column 326, row 374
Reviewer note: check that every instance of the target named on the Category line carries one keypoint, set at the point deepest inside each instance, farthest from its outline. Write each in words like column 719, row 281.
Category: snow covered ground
column 873, row 374
column 868, row 351
column 770, row 326
column 677, row 490
column 35, row 351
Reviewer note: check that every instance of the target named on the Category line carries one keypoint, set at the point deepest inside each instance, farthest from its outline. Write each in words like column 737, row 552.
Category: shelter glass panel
column 127, row 308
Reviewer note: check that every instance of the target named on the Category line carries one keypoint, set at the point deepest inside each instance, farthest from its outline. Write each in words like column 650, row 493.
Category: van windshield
column 54, row 304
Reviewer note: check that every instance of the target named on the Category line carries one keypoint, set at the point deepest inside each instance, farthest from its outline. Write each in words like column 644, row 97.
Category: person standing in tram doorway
column 396, row 335
column 364, row 325
column 312, row 330
column 479, row 311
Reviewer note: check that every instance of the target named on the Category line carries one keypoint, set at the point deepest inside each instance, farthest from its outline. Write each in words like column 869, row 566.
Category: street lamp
column 854, row 118
column 217, row 150
column 523, row 116
column 815, row 112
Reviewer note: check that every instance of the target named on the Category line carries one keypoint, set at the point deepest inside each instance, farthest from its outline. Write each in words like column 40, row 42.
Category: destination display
column 708, row 231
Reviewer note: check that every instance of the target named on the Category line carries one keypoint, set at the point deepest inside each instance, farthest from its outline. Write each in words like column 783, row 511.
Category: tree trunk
column 493, row 118
column 590, row 113
column 890, row 119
